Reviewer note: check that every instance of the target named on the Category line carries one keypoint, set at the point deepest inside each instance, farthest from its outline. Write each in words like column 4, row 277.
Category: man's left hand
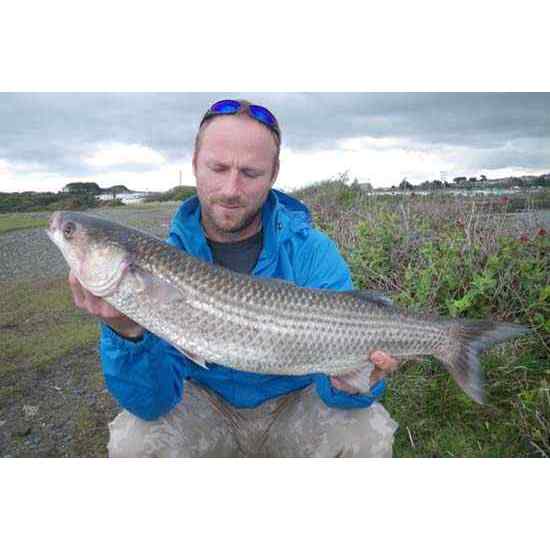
column 384, row 364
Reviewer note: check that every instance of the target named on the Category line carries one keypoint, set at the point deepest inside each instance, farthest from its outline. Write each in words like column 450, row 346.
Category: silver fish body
column 259, row 325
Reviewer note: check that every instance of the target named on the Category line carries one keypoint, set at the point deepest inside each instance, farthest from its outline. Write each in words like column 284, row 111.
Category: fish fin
column 359, row 379
column 467, row 340
column 373, row 297
column 157, row 289
column 165, row 293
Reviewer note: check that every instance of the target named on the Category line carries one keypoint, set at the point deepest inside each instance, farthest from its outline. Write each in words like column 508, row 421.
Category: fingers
column 98, row 307
column 94, row 305
column 79, row 297
column 384, row 364
column 383, row 361
column 341, row 385
column 376, row 375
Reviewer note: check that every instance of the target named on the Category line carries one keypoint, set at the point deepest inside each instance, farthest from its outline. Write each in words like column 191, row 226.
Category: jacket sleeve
column 326, row 268
column 145, row 377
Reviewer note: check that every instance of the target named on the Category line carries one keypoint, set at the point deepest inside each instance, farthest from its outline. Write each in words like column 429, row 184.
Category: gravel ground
column 29, row 254
column 62, row 409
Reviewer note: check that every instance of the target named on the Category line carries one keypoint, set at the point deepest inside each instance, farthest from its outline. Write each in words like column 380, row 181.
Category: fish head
column 95, row 253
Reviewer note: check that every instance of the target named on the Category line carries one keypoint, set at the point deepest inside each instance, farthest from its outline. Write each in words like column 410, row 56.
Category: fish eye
column 68, row 230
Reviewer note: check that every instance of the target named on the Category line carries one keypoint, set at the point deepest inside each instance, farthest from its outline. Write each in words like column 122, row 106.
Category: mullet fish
column 258, row 325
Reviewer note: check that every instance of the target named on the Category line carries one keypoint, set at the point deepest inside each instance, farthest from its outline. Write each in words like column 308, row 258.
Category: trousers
column 295, row 425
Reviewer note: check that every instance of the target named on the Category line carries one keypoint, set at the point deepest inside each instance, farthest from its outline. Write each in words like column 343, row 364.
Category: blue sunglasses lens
column 231, row 106
column 263, row 115
column 226, row 106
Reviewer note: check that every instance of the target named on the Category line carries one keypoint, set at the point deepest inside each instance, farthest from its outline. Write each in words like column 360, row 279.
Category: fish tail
column 467, row 339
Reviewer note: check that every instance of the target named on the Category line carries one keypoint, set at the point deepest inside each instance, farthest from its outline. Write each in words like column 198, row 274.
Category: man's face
column 234, row 169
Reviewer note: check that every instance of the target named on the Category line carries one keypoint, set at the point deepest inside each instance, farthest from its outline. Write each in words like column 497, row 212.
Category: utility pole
column 180, row 178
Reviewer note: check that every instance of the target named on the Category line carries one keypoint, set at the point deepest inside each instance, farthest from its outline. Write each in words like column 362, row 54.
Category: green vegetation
column 48, row 359
column 82, row 187
column 40, row 324
column 75, row 196
column 178, row 193
column 36, row 202
column 90, row 434
column 454, row 256
column 15, row 222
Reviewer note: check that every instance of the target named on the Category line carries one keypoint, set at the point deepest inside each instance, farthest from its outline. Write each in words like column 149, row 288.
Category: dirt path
column 61, row 410
column 53, row 399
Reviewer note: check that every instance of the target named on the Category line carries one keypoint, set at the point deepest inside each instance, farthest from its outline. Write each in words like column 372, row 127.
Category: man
column 174, row 407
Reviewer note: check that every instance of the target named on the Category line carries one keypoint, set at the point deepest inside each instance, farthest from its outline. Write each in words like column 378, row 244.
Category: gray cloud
column 497, row 130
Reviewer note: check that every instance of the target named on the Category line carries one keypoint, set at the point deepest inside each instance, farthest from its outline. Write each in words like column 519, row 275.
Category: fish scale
column 258, row 325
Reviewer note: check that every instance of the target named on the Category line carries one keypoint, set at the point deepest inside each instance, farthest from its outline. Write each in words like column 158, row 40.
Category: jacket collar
column 282, row 215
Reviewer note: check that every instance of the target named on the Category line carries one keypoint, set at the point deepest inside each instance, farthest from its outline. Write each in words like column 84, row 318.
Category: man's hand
column 106, row 312
column 384, row 364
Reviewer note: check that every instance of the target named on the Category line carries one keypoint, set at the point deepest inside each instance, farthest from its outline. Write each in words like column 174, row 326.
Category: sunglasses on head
column 232, row 106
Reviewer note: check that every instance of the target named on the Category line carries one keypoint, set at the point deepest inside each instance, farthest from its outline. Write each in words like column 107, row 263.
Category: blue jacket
column 147, row 377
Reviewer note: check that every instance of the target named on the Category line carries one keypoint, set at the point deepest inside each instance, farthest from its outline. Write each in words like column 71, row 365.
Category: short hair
column 243, row 113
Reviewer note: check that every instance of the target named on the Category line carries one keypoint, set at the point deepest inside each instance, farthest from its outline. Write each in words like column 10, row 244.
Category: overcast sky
column 144, row 140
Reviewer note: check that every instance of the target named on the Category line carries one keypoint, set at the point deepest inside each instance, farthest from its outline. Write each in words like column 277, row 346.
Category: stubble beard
column 233, row 230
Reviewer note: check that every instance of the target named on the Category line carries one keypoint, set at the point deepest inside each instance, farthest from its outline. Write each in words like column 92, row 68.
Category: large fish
column 259, row 325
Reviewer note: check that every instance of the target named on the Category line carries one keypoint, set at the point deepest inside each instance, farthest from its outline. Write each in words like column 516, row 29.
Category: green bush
column 35, row 202
column 73, row 201
column 439, row 270
column 456, row 257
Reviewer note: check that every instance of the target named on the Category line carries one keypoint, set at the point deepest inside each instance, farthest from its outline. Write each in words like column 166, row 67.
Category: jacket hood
column 282, row 216
column 293, row 206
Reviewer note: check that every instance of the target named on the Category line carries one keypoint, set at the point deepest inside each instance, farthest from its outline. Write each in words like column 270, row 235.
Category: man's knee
column 315, row 430
column 191, row 430
column 359, row 433
column 375, row 431
column 131, row 437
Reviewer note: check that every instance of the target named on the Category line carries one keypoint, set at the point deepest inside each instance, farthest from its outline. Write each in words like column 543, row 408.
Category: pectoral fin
column 165, row 295
column 195, row 358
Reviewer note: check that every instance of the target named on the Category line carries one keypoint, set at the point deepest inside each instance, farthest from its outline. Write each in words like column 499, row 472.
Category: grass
column 437, row 420
column 39, row 324
column 90, row 433
column 17, row 222
column 455, row 256
column 48, row 359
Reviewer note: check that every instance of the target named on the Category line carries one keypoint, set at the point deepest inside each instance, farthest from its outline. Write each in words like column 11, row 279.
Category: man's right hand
column 98, row 307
